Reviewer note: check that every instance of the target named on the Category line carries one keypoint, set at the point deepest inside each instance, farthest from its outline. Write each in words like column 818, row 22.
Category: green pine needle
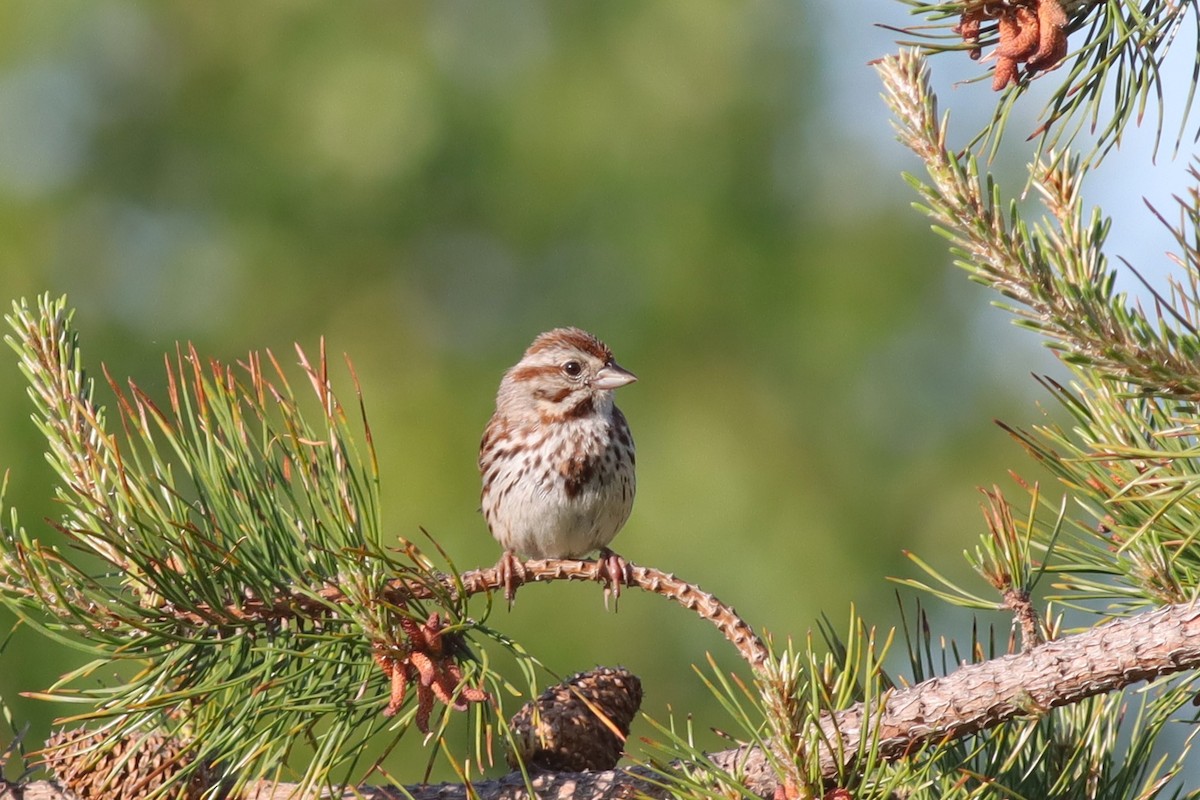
column 1111, row 78
column 234, row 560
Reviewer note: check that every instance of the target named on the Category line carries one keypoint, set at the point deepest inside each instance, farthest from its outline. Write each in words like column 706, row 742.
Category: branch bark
column 736, row 630
column 971, row 699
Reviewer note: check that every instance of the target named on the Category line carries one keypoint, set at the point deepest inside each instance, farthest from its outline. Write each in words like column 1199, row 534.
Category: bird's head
column 566, row 373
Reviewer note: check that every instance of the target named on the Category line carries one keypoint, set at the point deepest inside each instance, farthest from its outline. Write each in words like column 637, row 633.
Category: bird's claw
column 613, row 571
column 512, row 574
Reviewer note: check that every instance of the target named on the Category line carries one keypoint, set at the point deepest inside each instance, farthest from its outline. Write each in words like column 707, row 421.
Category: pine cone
column 130, row 768
column 560, row 732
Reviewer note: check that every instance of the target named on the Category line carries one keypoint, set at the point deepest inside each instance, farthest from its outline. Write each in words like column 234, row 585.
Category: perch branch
column 734, row 628
column 476, row 581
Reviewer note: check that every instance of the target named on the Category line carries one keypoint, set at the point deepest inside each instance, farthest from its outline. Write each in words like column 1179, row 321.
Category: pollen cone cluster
column 133, row 767
column 579, row 724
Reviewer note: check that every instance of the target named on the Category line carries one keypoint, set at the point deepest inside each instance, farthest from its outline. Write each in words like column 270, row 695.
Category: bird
column 557, row 458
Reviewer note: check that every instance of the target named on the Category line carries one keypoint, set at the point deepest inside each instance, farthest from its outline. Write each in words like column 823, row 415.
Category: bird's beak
column 612, row 376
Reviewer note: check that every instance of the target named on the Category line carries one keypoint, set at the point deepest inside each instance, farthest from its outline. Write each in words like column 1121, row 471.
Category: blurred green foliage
column 429, row 185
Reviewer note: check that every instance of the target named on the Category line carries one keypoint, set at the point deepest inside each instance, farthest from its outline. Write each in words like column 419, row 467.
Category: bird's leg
column 613, row 571
column 512, row 574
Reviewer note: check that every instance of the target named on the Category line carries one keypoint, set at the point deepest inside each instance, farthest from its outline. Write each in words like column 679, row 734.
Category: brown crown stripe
column 570, row 338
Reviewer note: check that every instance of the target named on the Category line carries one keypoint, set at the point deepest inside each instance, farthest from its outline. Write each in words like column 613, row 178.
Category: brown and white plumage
column 557, row 457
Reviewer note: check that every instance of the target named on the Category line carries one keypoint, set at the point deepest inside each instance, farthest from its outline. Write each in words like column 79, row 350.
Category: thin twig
column 1025, row 615
column 399, row 590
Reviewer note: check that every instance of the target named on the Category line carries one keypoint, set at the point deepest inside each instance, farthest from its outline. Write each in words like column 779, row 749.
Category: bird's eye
column 572, row 368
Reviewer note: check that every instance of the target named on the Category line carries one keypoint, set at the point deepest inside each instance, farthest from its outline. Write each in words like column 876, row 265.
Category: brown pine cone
column 560, row 731
column 132, row 767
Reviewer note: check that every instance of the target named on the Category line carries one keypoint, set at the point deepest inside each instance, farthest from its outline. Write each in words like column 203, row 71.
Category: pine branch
column 1054, row 271
column 733, row 627
column 1111, row 77
column 401, row 591
column 972, row 699
column 246, row 573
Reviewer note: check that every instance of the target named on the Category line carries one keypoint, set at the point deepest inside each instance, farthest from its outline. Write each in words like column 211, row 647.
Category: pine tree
column 252, row 634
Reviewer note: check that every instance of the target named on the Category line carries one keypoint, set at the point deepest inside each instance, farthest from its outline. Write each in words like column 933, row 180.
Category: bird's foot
column 613, row 571
column 512, row 574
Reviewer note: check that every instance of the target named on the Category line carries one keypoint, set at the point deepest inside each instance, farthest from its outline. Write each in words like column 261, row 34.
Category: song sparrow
column 557, row 457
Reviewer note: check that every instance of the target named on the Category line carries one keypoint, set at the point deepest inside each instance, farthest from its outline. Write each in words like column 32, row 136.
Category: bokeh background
column 709, row 186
